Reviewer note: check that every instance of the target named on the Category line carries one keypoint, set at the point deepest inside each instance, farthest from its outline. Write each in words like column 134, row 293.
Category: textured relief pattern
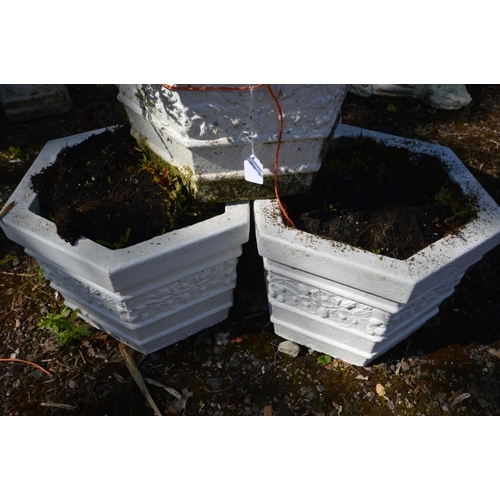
column 326, row 305
column 85, row 294
column 428, row 300
column 237, row 116
column 147, row 306
column 184, row 291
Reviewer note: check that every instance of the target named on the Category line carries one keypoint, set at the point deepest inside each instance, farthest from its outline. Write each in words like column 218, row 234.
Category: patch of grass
column 15, row 153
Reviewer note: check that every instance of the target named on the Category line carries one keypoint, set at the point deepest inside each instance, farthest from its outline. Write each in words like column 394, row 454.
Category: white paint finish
column 354, row 304
column 23, row 102
column 136, row 293
column 209, row 134
column 440, row 96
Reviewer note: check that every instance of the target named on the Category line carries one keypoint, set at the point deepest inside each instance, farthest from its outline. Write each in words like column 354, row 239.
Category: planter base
column 222, row 186
column 345, row 323
column 150, row 318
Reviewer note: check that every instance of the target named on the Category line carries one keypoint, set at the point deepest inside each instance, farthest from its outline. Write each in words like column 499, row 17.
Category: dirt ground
column 450, row 366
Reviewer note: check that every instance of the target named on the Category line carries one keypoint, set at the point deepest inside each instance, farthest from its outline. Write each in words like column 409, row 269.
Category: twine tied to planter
column 280, row 136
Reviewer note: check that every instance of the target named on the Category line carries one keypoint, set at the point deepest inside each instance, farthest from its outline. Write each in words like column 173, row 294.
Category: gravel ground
column 450, row 366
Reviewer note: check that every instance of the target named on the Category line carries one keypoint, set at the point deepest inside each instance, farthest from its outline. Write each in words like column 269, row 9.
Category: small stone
column 222, row 338
column 234, row 362
column 311, row 396
column 483, row 403
column 35, row 374
column 268, row 411
column 289, row 348
column 215, row 383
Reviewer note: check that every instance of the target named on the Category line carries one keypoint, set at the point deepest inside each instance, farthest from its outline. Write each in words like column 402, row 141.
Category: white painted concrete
column 210, row 134
column 353, row 304
column 149, row 295
column 23, row 102
column 440, row 96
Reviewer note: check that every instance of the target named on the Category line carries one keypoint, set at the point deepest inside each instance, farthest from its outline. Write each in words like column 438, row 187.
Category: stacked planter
column 209, row 134
column 353, row 304
column 149, row 295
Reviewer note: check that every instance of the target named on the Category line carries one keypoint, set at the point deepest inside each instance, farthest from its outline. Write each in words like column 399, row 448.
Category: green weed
column 450, row 195
column 122, row 243
column 324, row 360
column 15, row 153
column 64, row 327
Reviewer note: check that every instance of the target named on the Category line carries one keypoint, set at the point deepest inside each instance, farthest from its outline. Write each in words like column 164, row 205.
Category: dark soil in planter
column 382, row 199
column 451, row 366
column 109, row 191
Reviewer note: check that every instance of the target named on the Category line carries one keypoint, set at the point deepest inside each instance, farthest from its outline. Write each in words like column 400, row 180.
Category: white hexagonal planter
column 149, row 295
column 353, row 304
column 209, row 134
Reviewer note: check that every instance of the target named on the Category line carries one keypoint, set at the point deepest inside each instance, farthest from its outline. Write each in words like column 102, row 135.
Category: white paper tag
column 254, row 171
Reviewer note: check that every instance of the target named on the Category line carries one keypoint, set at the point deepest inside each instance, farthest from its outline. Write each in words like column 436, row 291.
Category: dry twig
column 136, row 374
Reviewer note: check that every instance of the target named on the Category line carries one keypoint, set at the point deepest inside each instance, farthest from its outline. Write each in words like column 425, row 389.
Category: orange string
column 190, row 87
column 280, row 137
column 276, row 161
column 26, row 362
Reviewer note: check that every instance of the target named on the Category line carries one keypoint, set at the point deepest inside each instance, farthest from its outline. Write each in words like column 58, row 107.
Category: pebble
column 35, row 374
column 289, row 348
column 222, row 338
column 215, row 383
column 483, row 403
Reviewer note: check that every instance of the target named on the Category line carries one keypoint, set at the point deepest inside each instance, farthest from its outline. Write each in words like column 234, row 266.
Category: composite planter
column 209, row 134
column 149, row 295
column 353, row 304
